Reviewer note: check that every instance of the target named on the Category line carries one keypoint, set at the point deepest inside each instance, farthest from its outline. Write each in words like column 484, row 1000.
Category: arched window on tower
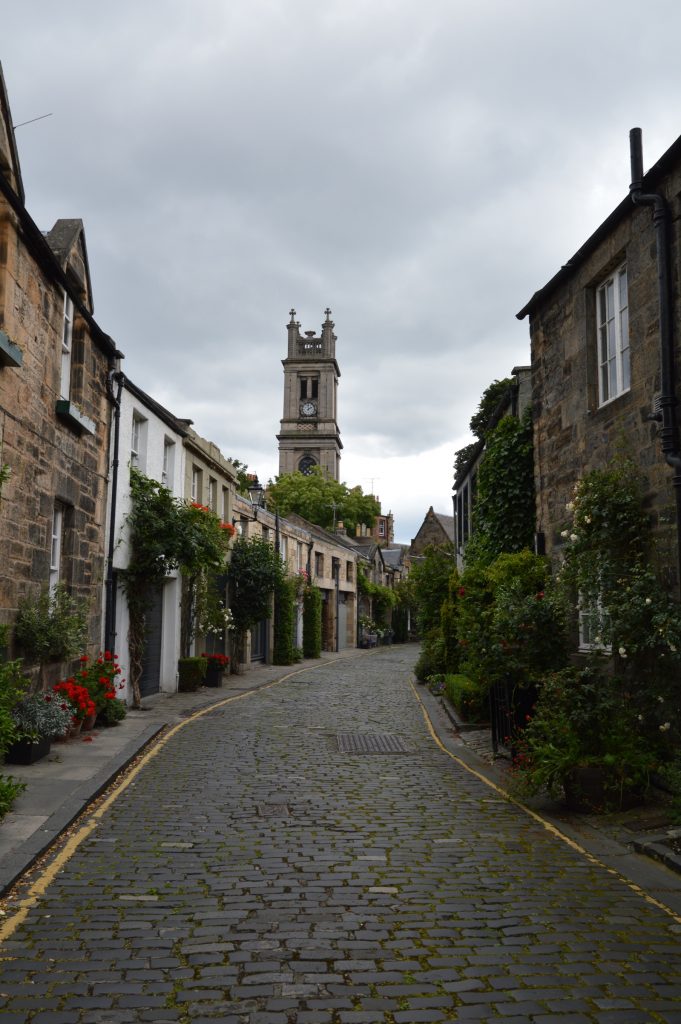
column 306, row 465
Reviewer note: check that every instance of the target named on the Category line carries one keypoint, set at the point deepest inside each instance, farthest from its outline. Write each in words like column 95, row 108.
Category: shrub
column 469, row 699
column 52, row 627
column 12, row 688
column 100, row 677
column 285, row 598
column 431, row 660
column 41, row 715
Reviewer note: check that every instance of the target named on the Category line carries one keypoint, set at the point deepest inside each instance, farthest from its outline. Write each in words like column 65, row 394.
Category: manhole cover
column 370, row 743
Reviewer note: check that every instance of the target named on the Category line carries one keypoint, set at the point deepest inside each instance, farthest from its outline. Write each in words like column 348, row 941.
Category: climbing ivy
column 255, row 571
column 312, row 622
column 167, row 533
column 504, row 510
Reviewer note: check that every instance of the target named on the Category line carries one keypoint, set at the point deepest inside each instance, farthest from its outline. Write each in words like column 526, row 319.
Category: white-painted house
column 150, row 438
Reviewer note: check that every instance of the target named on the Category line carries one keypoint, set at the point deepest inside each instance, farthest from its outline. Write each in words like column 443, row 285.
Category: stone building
column 55, row 408
column 601, row 335
column 309, row 434
column 436, row 528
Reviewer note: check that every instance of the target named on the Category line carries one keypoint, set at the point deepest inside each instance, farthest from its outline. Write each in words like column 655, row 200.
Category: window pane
column 626, row 370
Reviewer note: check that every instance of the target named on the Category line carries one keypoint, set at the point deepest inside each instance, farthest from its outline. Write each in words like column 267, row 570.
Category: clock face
column 308, row 408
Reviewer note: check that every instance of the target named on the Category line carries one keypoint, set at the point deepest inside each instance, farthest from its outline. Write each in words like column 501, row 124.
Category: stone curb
column 16, row 864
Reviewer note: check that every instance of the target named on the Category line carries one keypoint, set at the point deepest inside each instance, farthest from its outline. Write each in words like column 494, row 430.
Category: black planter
column 27, row 751
column 213, row 676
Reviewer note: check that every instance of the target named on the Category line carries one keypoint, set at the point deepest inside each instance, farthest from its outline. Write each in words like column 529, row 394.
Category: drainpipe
column 110, row 603
column 667, row 414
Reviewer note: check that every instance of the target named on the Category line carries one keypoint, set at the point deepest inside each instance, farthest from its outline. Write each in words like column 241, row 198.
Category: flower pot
column 76, row 726
column 89, row 722
column 27, row 751
column 213, row 675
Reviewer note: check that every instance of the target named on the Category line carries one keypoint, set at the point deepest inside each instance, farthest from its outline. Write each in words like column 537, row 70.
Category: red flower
column 84, row 658
column 462, row 591
column 107, row 655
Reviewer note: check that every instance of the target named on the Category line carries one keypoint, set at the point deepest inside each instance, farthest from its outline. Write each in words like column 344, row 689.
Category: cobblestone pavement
column 254, row 873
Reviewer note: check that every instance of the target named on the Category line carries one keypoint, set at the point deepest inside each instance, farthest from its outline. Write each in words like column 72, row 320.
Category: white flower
column 665, row 726
column 660, row 700
column 640, row 718
column 564, row 533
column 598, row 639
column 573, row 537
column 570, row 507
column 672, row 648
column 622, row 652
column 649, row 600
column 587, row 519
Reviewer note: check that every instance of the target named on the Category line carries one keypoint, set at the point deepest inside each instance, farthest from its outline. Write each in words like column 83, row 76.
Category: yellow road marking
column 547, row 825
column 21, row 910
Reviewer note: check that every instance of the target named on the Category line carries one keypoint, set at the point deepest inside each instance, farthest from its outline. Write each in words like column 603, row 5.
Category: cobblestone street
column 257, row 870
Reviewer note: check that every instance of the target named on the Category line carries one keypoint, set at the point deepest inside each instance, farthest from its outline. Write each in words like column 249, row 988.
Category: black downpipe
column 667, row 417
column 110, row 597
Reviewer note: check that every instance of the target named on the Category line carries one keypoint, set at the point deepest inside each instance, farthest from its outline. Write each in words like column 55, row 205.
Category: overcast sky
column 420, row 166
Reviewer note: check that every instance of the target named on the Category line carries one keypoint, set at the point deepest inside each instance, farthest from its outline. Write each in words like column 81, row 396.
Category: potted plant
column 51, row 628
column 190, row 674
column 216, row 665
column 38, row 719
column 78, row 698
column 100, row 678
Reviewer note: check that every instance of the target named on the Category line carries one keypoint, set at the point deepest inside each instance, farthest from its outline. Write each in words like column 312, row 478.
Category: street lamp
column 256, row 493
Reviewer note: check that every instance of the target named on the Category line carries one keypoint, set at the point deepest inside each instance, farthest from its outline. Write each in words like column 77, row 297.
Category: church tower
column 309, row 434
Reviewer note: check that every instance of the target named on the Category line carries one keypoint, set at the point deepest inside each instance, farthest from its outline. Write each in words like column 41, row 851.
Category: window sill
column 10, row 354
column 71, row 415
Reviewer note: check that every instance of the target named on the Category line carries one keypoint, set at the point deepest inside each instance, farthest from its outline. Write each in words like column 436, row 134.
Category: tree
column 321, row 500
column 242, row 477
column 255, row 570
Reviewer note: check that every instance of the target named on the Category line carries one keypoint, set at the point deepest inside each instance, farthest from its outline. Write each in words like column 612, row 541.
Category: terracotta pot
column 89, row 722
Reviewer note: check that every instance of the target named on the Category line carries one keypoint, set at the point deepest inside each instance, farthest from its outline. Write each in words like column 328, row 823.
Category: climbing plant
column 504, row 509
column 166, row 534
column 312, row 622
column 255, row 570
column 286, row 598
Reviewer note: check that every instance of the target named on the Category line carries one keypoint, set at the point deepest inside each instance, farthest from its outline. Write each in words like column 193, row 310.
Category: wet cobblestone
column 254, row 873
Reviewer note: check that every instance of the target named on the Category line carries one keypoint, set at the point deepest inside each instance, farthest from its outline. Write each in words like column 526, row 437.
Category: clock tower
column 309, row 434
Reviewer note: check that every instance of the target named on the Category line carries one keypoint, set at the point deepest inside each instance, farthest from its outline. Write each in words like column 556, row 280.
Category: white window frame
column 612, row 336
column 591, row 620
column 66, row 347
column 56, row 546
column 283, row 548
column 167, row 474
column 197, row 483
column 138, row 442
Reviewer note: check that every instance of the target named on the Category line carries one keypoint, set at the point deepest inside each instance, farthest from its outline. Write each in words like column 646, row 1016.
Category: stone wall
column 572, row 433
column 50, row 460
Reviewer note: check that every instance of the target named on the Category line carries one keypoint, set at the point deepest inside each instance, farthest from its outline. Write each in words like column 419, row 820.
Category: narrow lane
column 255, row 873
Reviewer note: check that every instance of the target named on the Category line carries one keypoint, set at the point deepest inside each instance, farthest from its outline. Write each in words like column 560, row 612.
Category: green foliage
column 489, row 402
column 470, row 700
column 504, row 509
column 242, row 476
column 430, row 580
column 322, row 500
column 13, row 687
column 286, row 604
column 167, row 534
column 463, row 456
column 191, row 673
column 254, row 571
column 51, row 627
column 41, row 715
column 312, row 622
column 10, row 789
column 431, row 660
column 583, row 717
column 511, row 621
